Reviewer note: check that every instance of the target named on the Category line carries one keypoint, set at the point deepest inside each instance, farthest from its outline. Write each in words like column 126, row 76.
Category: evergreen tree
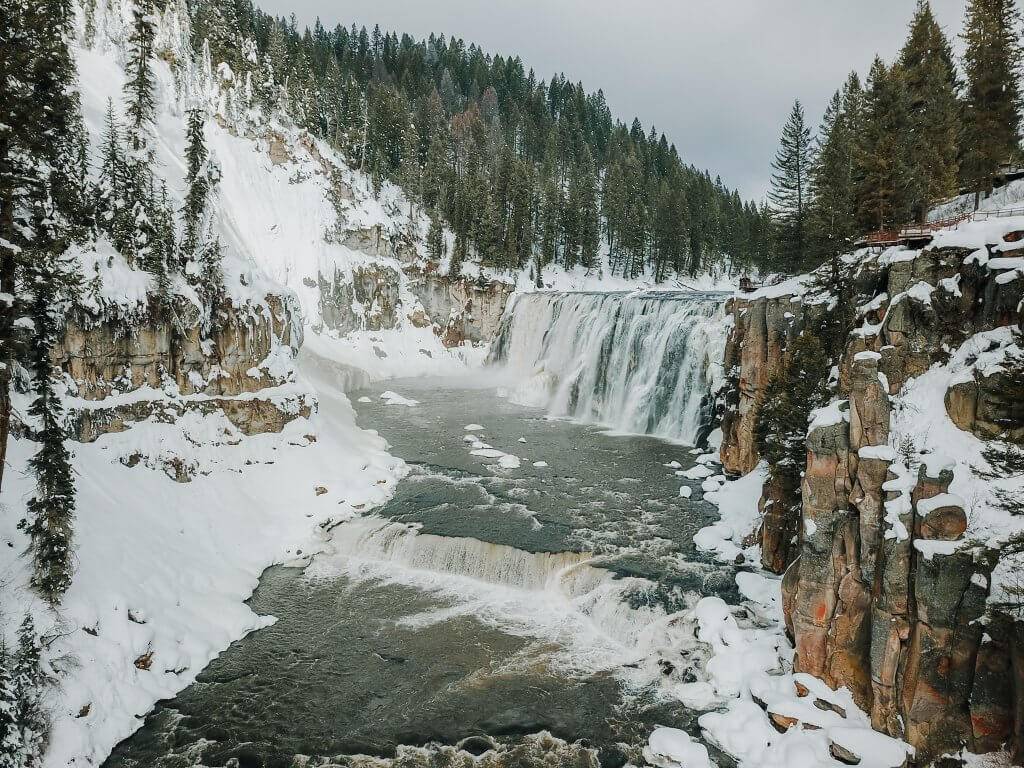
column 830, row 222
column 589, row 211
column 12, row 745
column 51, row 508
column 43, row 190
column 886, row 178
column 790, row 193
column 29, row 682
column 992, row 100
column 926, row 63
column 198, row 183
column 140, row 87
column 435, row 238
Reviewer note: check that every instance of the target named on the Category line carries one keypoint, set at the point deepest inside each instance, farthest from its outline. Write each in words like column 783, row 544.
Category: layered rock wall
column 160, row 363
column 878, row 594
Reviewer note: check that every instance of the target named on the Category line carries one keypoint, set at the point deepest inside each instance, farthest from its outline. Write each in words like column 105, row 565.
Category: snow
column 540, row 464
column 393, row 398
column 829, row 415
column 926, row 506
column 685, row 491
column 698, row 472
column 878, row 452
column 473, row 427
column 931, row 547
column 672, row 748
column 739, row 516
column 197, row 550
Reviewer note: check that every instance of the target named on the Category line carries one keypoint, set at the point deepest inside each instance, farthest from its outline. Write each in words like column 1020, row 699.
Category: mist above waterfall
column 638, row 362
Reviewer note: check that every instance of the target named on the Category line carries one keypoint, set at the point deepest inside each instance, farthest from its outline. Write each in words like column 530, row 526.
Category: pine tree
column 51, row 508
column 197, row 181
column 790, row 190
column 886, row 178
column 435, row 237
column 992, row 67
column 140, row 87
column 29, row 682
column 589, row 211
column 926, row 63
column 43, row 195
column 12, row 745
column 830, row 221
column 111, row 207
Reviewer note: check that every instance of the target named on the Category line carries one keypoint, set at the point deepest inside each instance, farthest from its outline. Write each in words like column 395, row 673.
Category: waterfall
column 637, row 362
column 564, row 582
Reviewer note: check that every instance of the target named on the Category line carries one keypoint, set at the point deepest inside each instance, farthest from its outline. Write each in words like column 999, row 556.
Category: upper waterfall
column 638, row 362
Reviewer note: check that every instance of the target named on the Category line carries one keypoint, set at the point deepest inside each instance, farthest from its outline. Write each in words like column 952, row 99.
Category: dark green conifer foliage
column 992, row 65
column 830, row 223
column 790, row 192
column 12, row 745
column 49, row 521
column 934, row 114
column 29, row 683
column 886, row 178
column 197, row 181
column 435, row 238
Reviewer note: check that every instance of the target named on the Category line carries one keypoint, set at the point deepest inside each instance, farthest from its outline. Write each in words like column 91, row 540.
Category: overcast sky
column 718, row 77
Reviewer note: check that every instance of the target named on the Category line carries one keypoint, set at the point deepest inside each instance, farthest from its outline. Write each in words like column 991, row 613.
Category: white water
column 639, row 362
column 558, row 596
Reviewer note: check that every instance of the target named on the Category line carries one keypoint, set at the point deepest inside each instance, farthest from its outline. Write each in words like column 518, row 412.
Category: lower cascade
column 638, row 362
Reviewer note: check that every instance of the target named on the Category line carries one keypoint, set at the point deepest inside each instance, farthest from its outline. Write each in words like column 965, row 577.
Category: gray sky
column 718, row 77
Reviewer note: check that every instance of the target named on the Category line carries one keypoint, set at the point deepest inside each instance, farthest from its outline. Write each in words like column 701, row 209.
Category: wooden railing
column 927, row 229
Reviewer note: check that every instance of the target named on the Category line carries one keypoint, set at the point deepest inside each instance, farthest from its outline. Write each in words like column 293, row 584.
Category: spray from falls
column 638, row 362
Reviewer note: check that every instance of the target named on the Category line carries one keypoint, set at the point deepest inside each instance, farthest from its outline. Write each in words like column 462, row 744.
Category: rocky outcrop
column 462, row 309
column 881, row 593
column 161, row 363
column 366, row 300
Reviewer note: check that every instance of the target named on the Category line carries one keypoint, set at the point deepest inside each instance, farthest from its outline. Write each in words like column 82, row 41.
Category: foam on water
column 564, row 597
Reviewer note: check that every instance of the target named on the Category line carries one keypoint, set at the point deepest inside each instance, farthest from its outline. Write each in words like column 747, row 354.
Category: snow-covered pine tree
column 140, row 87
column 43, row 196
column 30, row 680
column 12, row 746
column 790, row 194
column 111, row 206
column 992, row 109
column 934, row 118
column 197, row 181
column 51, row 508
column 18, row 115
column 435, row 237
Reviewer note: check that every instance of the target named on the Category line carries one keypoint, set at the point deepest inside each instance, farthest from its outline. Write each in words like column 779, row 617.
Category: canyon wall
column 159, row 363
column 882, row 593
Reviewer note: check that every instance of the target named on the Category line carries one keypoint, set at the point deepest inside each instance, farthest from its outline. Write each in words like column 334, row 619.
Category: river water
column 529, row 614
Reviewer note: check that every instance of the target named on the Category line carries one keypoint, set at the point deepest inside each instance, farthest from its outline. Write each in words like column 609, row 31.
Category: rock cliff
column 159, row 364
column 885, row 588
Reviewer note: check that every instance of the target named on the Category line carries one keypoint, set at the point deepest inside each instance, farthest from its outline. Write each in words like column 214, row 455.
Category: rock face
column 366, row 300
column 370, row 299
column 463, row 309
column 160, row 364
column 877, row 594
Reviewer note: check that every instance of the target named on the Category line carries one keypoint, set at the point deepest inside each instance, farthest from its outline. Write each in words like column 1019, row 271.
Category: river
column 521, row 597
